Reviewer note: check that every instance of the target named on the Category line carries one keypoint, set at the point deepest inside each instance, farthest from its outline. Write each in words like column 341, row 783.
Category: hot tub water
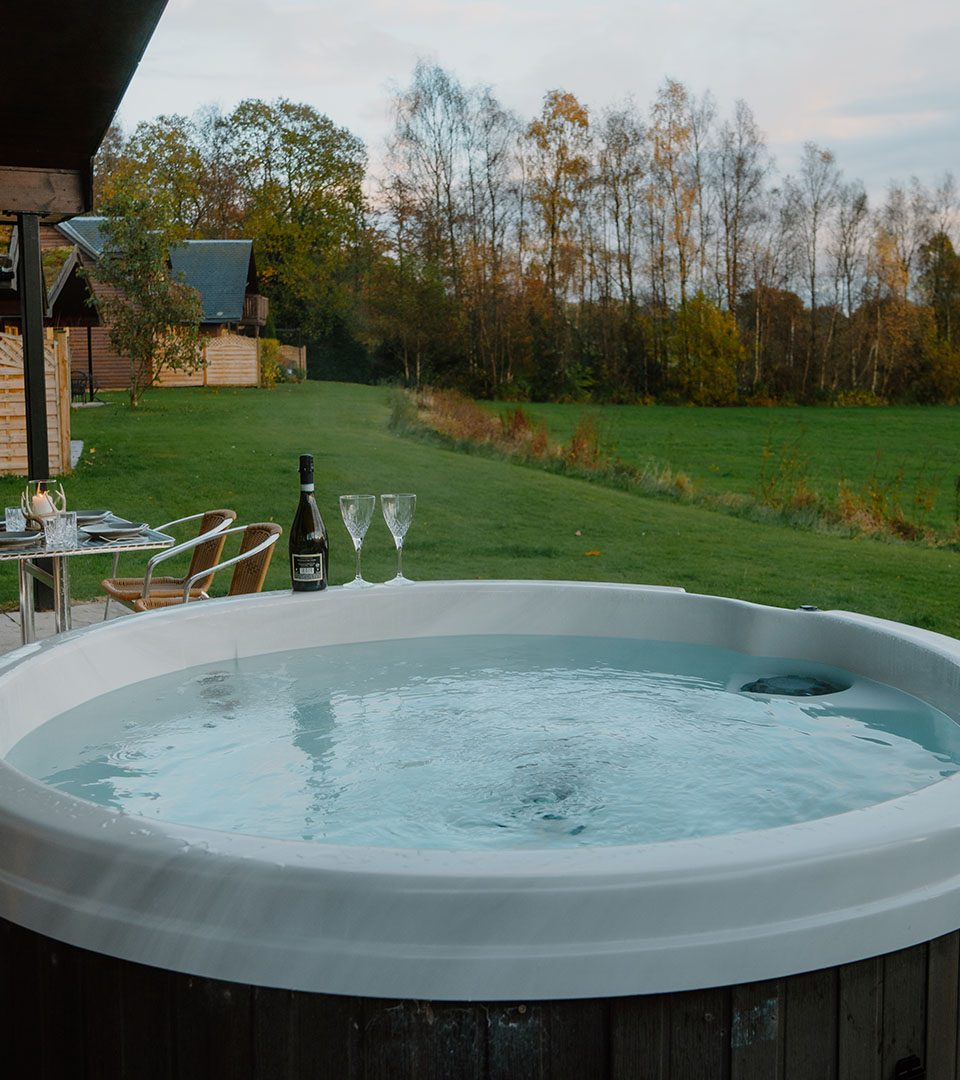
column 492, row 742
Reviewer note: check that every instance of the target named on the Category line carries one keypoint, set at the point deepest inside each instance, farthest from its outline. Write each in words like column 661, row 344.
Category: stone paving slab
column 82, row 614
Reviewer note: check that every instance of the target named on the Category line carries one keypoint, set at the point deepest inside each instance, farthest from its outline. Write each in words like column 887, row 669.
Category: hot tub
column 775, row 944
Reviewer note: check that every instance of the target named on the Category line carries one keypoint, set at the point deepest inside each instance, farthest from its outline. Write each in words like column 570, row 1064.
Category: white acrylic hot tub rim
column 464, row 925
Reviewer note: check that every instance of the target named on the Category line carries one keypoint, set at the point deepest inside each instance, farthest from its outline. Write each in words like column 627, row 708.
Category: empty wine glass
column 357, row 513
column 398, row 514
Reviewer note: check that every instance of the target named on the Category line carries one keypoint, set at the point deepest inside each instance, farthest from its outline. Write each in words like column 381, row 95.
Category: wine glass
column 398, row 514
column 357, row 513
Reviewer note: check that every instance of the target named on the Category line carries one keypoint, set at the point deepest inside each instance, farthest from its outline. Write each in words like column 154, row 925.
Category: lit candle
column 41, row 505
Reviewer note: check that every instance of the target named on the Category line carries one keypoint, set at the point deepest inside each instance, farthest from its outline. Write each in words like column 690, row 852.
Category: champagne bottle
column 309, row 550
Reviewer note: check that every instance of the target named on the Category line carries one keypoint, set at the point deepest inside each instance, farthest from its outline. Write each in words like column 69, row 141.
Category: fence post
column 61, row 347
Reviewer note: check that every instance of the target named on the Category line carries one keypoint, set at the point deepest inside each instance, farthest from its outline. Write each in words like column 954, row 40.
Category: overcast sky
column 877, row 82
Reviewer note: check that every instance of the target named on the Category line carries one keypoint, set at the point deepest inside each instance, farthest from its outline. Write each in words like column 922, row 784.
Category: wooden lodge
column 223, row 272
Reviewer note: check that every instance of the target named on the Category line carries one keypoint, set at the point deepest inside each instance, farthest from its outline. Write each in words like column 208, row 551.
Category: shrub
column 270, row 368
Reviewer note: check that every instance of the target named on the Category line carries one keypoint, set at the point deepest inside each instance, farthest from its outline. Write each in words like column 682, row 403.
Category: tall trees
column 571, row 254
column 740, row 166
column 558, row 141
column 300, row 186
column 811, row 196
column 279, row 172
column 939, row 285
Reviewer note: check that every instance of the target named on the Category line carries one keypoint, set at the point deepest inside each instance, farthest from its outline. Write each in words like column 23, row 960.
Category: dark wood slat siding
column 421, row 1040
column 514, row 1042
column 756, row 1031
column 811, row 1025
column 147, row 1035
column 213, row 1029
column 61, row 1012
column 942, row 1006
column 640, row 1038
column 20, row 999
column 68, row 1012
column 700, row 1034
column 861, row 1020
column 904, row 1006
column 103, row 1020
column 575, row 1039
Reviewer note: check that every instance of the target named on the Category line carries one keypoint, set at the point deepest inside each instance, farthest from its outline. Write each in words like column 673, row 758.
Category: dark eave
column 67, row 65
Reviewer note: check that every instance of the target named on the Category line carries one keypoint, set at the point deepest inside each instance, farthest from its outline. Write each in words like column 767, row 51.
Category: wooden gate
column 13, row 420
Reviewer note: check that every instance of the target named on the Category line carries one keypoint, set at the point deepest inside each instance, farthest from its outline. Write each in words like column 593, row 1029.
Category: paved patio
column 82, row 614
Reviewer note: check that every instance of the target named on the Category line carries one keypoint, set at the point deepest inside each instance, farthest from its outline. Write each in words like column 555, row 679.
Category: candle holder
column 41, row 499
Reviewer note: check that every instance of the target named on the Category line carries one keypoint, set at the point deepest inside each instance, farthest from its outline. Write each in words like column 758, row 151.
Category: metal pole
column 90, row 361
column 28, row 631
column 30, row 287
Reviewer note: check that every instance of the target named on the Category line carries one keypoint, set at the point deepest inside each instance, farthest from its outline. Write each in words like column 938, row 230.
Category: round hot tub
column 825, row 945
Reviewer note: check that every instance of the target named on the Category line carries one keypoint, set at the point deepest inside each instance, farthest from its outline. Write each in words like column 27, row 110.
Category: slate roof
column 219, row 270
column 85, row 231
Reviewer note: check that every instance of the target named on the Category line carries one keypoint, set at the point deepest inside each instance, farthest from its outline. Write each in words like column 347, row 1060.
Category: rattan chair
column 207, row 549
column 250, row 568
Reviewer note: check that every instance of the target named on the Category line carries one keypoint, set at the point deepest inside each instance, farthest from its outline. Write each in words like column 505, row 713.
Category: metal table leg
column 28, row 631
column 61, row 593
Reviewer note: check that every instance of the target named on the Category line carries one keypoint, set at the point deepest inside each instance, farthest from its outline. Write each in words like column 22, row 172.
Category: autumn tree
column 558, row 141
column 706, row 353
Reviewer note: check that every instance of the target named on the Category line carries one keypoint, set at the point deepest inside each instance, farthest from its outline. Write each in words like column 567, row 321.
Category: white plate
column 20, row 539
column 91, row 517
column 113, row 532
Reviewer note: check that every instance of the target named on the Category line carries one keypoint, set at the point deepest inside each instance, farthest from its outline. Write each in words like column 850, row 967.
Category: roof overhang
column 56, row 106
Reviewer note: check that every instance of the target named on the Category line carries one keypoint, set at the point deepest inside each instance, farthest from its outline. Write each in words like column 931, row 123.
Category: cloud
column 876, row 80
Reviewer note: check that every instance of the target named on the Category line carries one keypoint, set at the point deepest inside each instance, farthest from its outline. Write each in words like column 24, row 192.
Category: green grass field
column 904, row 452
column 478, row 517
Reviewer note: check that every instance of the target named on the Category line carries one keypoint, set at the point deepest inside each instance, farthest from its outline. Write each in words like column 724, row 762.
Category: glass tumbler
column 60, row 530
column 13, row 519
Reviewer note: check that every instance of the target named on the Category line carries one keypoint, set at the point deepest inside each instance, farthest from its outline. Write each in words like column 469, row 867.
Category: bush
column 270, row 367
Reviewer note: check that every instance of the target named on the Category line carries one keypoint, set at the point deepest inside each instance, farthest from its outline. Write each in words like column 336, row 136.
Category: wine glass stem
column 400, row 558
column 357, row 547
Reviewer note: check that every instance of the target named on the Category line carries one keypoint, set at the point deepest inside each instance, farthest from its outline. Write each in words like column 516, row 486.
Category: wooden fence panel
column 228, row 360
column 13, row 421
column 232, row 360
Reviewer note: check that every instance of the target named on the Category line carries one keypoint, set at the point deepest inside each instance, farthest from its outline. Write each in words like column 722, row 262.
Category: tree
column 153, row 319
column 740, row 165
column 559, row 171
column 811, row 198
column 939, row 284
column 300, row 190
column 706, row 353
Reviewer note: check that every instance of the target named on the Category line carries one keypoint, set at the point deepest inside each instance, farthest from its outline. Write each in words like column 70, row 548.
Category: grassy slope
column 722, row 449
column 476, row 517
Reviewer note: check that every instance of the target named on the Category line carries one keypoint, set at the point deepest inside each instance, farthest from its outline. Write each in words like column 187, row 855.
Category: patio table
column 27, row 555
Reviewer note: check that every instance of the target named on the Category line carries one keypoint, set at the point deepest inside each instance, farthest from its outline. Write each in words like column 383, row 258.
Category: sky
column 878, row 83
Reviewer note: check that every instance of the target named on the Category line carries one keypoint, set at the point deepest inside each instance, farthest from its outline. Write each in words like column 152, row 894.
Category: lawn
column 477, row 517
column 903, row 452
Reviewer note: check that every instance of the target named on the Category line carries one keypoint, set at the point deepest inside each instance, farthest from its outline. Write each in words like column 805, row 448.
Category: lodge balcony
column 255, row 309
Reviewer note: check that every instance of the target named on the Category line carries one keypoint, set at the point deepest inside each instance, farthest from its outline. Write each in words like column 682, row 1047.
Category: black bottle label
column 306, row 567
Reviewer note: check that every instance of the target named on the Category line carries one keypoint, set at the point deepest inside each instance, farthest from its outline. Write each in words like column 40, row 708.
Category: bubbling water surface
column 501, row 742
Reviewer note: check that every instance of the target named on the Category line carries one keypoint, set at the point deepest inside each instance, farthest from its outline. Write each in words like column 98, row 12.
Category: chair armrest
column 178, row 549
column 262, row 546
column 180, row 521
